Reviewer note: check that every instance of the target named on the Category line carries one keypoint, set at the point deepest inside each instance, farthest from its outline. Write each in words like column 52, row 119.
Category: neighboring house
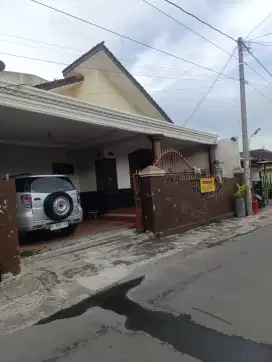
column 21, row 78
column 99, row 125
column 261, row 154
column 260, row 161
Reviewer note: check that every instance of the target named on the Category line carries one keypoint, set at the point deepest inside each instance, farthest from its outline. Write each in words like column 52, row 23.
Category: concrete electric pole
column 244, row 126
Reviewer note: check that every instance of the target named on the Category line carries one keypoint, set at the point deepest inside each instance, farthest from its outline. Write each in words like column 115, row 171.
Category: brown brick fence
column 173, row 205
column 9, row 244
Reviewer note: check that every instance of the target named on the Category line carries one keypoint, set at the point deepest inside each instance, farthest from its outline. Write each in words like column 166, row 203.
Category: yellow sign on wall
column 207, row 185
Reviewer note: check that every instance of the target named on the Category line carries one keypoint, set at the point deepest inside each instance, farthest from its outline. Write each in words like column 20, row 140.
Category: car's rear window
column 44, row 184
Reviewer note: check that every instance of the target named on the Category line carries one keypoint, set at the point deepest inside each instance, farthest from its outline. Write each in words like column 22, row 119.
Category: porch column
column 156, row 139
column 212, row 159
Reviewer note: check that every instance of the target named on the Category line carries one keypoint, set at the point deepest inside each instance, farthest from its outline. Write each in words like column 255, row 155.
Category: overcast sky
column 167, row 77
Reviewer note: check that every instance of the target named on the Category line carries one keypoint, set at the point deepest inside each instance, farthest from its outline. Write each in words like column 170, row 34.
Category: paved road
column 213, row 306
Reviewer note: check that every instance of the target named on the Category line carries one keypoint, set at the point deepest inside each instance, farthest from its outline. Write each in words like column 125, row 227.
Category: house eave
column 36, row 100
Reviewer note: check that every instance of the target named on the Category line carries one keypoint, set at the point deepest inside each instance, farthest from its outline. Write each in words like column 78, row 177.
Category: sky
column 176, row 85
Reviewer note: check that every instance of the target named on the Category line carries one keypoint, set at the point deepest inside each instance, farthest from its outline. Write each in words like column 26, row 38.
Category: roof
column 260, row 154
column 102, row 46
column 48, row 104
column 34, row 176
column 60, row 82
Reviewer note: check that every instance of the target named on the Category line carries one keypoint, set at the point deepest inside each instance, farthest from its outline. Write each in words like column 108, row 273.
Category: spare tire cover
column 58, row 206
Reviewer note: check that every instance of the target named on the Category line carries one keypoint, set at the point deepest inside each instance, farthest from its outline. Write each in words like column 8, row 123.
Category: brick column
column 156, row 139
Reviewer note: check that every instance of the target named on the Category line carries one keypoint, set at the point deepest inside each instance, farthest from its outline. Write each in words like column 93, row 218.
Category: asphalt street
column 212, row 306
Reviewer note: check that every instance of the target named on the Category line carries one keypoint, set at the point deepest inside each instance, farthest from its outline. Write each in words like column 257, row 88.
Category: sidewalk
column 59, row 278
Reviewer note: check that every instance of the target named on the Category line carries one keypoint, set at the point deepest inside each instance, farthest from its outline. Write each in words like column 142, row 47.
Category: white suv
column 47, row 202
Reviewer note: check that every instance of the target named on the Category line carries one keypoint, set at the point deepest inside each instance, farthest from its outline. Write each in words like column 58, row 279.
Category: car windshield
column 44, row 184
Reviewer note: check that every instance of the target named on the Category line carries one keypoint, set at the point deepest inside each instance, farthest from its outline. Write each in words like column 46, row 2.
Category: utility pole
column 244, row 126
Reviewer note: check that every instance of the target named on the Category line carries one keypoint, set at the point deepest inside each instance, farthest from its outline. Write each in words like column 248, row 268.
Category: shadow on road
column 181, row 332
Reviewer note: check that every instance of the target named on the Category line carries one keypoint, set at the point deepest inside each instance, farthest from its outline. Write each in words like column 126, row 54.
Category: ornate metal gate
column 172, row 161
column 178, row 169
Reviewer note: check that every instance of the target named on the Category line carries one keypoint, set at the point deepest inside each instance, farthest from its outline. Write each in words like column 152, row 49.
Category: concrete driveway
column 213, row 305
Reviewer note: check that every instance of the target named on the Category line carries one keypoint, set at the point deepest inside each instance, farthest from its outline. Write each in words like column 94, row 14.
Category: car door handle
column 37, row 199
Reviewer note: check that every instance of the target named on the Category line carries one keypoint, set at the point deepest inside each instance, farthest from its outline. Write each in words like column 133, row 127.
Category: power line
column 255, row 71
column 29, row 45
column 250, row 52
column 155, row 91
column 128, row 38
column 81, row 51
column 139, row 75
column 266, row 44
column 258, row 91
column 201, row 35
column 108, row 71
column 258, row 25
column 260, row 36
column 39, row 41
column 198, row 19
column 208, row 92
column 185, row 26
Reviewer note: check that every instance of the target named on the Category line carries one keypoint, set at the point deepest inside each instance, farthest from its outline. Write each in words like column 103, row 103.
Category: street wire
column 257, row 60
column 258, row 91
column 128, row 38
column 260, row 36
column 198, row 19
column 266, row 44
column 259, row 25
column 82, row 51
column 209, row 90
column 112, row 71
column 185, row 26
column 200, row 34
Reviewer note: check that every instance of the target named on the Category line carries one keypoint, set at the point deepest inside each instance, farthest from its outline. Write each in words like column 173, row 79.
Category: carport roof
column 46, row 103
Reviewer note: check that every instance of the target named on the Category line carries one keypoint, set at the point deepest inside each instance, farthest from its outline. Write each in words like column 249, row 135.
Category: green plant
column 241, row 190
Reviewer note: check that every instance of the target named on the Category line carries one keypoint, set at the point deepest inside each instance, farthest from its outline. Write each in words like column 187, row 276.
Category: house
column 260, row 162
column 99, row 125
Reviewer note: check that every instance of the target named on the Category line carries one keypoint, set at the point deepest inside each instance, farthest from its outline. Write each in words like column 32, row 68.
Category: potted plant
column 240, row 208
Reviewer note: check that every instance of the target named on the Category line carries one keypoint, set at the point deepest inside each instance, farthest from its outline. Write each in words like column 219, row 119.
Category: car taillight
column 27, row 201
column 78, row 197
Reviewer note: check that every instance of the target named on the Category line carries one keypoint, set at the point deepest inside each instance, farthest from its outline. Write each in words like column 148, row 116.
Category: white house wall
column 37, row 160
column 227, row 153
column 117, row 91
column 197, row 157
column 34, row 160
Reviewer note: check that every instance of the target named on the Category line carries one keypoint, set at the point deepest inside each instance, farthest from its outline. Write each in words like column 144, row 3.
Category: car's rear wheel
column 69, row 230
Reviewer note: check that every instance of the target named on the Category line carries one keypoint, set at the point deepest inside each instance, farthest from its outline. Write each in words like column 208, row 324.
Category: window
column 63, row 168
column 44, row 184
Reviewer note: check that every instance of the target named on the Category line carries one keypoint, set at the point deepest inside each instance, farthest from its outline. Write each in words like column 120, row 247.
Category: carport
column 43, row 132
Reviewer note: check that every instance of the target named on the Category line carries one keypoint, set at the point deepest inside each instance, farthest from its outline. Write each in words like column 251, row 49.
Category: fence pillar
column 145, row 213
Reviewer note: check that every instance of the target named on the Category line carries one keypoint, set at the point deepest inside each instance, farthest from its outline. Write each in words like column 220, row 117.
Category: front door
column 106, row 175
column 106, row 181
